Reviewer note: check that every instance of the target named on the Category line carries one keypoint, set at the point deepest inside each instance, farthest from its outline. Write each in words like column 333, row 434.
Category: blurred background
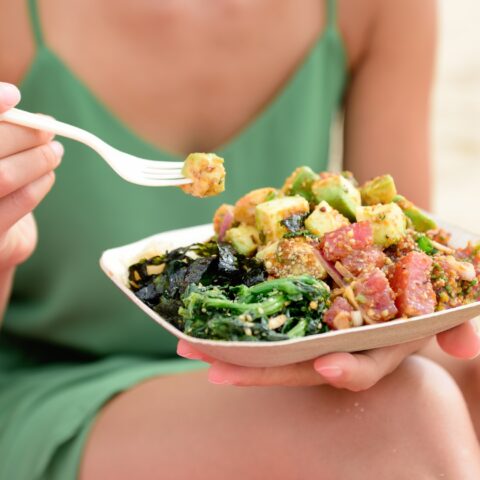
column 456, row 115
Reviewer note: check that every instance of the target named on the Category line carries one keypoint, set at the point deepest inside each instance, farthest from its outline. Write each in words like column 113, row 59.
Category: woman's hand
column 356, row 372
column 27, row 160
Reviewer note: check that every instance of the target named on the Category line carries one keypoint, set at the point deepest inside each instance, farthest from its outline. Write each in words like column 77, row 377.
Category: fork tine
column 151, row 170
column 161, row 175
column 156, row 183
column 158, row 177
column 154, row 163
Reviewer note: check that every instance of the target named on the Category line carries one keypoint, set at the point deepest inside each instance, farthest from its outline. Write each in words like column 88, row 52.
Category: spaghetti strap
column 331, row 14
column 36, row 24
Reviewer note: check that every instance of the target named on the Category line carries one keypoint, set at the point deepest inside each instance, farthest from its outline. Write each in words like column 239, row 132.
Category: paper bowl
column 115, row 263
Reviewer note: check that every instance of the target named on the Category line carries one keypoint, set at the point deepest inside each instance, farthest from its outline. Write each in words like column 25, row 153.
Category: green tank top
column 60, row 296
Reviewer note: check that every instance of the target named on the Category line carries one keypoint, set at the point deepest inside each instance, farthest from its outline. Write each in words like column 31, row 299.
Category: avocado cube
column 339, row 193
column 324, row 219
column 420, row 221
column 388, row 223
column 300, row 183
column 244, row 211
column 379, row 190
column 244, row 239
column 268, row 216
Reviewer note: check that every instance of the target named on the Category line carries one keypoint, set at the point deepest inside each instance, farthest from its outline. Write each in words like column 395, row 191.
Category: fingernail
column 57, row 148
column 329, row 372
column 217, row 379
column 476, row 327
column 216, row 375
column 184, row 351
column 9, row 94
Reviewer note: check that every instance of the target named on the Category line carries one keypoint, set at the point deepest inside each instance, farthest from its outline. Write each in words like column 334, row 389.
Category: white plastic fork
column 141, row 171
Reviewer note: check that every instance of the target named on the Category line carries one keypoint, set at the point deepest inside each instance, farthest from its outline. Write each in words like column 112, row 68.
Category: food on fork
column 318, row 254
column 207, row 173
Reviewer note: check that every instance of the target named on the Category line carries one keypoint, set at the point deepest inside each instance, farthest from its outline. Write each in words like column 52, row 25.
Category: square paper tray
column 115, row 263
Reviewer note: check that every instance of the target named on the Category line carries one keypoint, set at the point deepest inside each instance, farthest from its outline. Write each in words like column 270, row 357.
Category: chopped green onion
column 426, row 245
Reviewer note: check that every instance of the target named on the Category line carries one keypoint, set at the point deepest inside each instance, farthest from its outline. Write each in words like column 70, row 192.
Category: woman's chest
column 191, row 78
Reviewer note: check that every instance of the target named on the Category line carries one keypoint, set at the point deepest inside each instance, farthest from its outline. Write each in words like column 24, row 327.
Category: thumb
column 9, row 96
column 462, row 341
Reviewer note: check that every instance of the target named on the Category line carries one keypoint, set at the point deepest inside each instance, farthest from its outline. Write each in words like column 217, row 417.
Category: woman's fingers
column 9, row 96
column 18, row 139
column 361, row 371
column 186, row 350
column 462, row 341
column 355, row 372
column 18, row 243
column 299, row 374
column 294, row 375
column 21, row 202
column 14, row 138
column 16, row 171
column 341, row 370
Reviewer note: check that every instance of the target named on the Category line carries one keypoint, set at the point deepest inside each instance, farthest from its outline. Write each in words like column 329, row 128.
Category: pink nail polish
column 184, row 351
column 216, row 375
column 216, row 379
column 191, row 356
column 330, row 372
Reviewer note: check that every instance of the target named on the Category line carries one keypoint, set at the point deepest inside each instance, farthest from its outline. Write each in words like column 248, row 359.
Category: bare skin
column 281, row 433
column 466, row 374
column 166, row 90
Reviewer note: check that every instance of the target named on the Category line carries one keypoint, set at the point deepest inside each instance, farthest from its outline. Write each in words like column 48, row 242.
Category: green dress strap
column 331, row 14
column 35, row 21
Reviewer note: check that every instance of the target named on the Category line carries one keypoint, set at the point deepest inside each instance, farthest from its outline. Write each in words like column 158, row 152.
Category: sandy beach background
column 456, row 115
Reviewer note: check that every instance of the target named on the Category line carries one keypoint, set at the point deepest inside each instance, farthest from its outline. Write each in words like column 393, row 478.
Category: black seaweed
column 295, row 223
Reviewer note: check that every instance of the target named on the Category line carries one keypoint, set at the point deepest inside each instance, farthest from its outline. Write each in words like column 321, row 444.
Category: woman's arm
column 387, row 127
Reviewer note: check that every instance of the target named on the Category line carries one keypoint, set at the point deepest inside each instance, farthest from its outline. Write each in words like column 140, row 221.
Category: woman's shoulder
column 365, row 24
column 17, row 46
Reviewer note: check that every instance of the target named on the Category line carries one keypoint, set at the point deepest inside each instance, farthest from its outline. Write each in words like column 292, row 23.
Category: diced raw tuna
column 345, row 240
column 339, row 306
column 412, row 285
column 364, row 260
column 374, row 296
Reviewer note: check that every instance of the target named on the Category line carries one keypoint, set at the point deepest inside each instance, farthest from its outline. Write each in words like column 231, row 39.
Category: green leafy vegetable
column 240, row 313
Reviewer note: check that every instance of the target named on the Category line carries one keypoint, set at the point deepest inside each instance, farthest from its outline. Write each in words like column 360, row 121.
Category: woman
column 259, row 83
